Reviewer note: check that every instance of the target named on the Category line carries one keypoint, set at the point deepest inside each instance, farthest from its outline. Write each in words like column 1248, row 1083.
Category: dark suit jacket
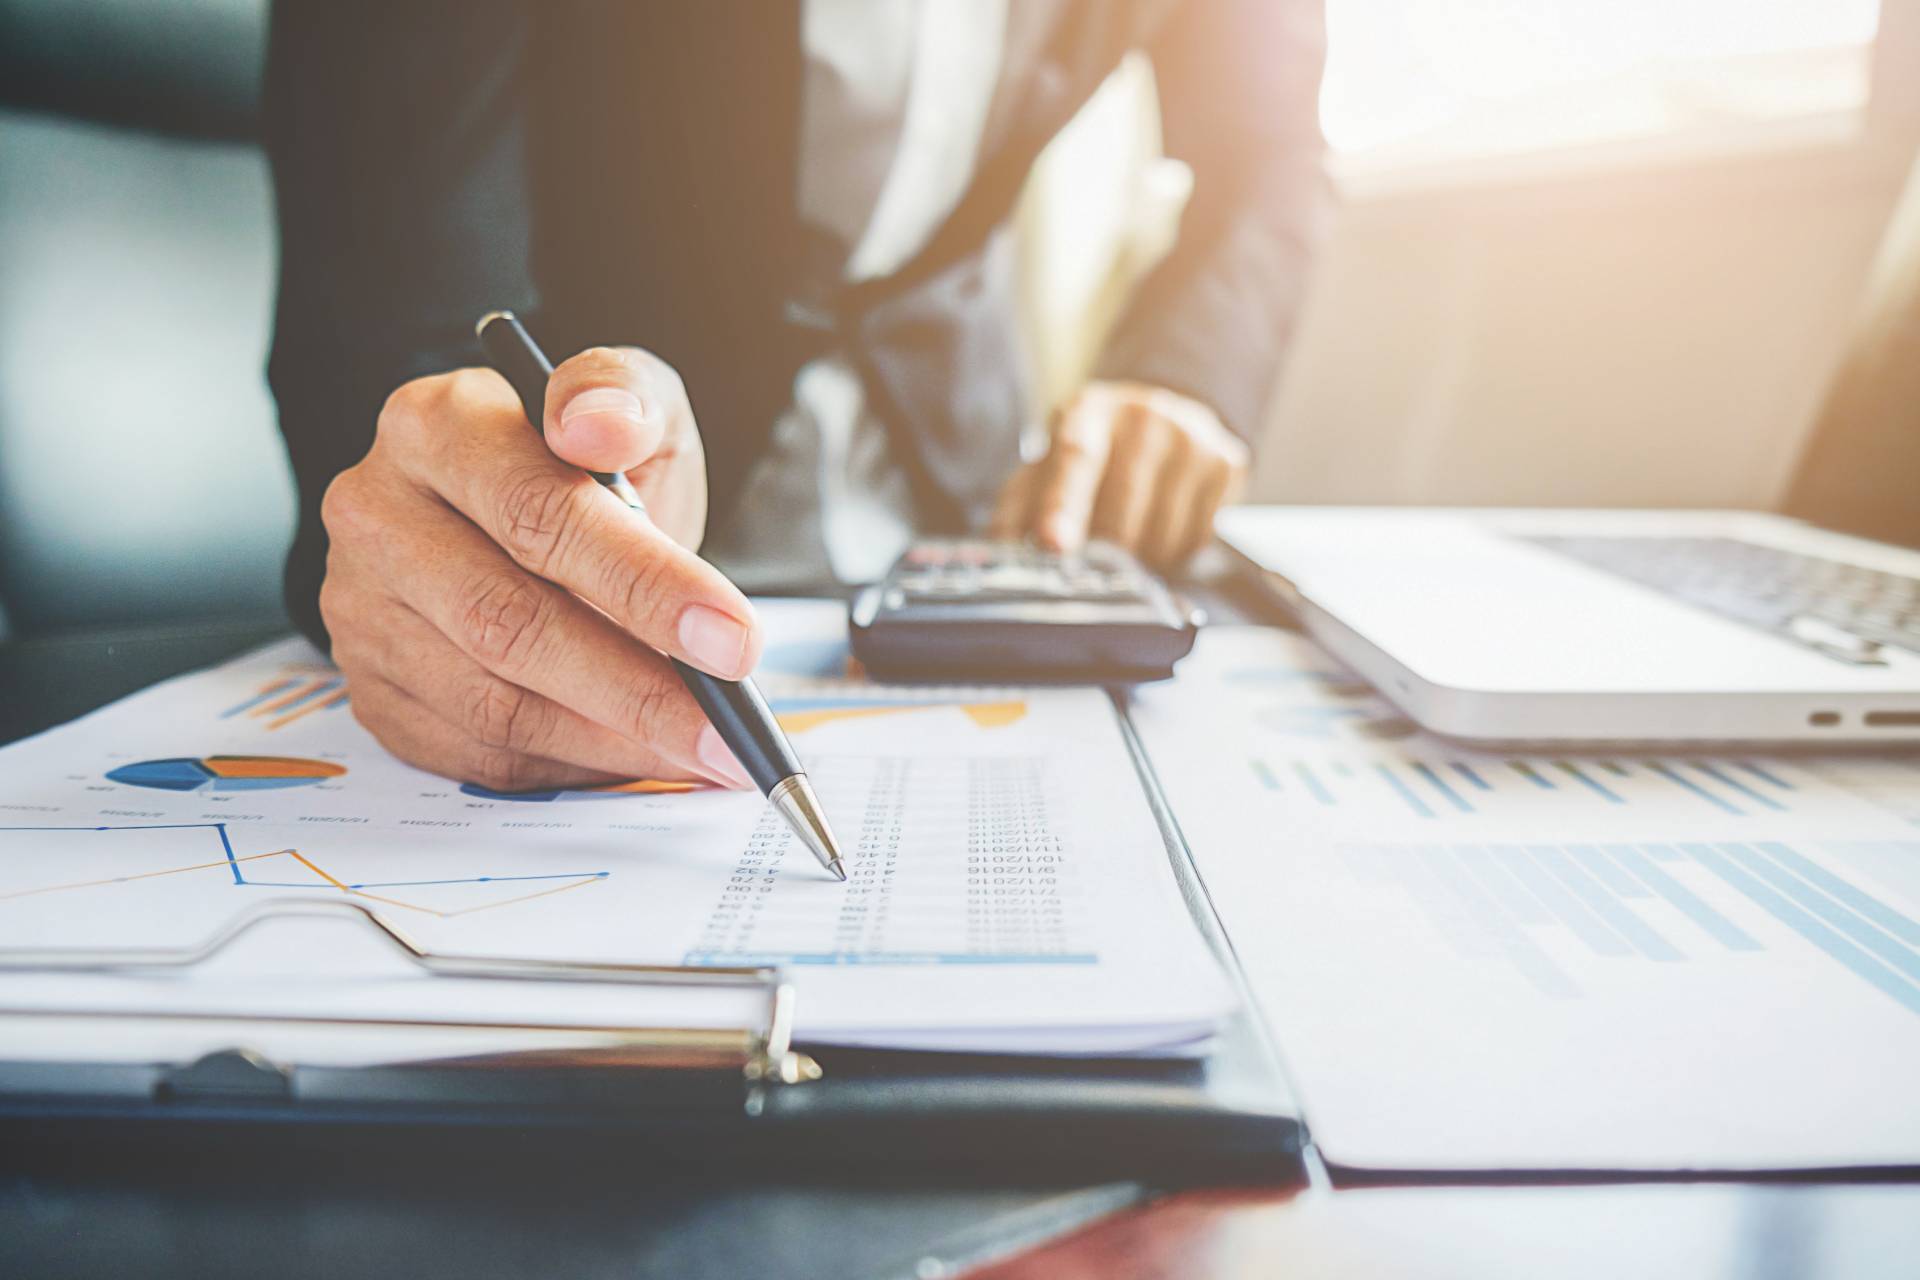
column 625, row 174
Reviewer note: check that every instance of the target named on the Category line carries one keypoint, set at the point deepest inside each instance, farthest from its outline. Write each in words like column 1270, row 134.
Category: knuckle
column 601, row 358
column 643, row 709
column 538, row 513
column 499, row 714
column 407, row 407
column 640, row 588
column 344, row 507
column 335, row 609
column 500, row 769
column 503, row 620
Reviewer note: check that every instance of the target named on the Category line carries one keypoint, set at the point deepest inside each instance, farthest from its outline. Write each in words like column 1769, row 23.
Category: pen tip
column 839, row 870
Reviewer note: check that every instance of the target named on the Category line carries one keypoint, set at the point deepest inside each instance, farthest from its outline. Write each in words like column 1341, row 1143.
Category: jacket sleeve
column 396, row 134
column 1239, row 83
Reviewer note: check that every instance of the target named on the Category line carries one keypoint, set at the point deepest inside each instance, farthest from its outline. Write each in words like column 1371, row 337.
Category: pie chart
column 225, row 773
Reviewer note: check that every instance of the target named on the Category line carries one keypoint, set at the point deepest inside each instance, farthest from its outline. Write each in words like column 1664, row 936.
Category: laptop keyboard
column 1844, row 611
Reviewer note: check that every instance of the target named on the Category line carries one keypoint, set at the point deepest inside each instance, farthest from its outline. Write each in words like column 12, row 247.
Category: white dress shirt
column 895, row 100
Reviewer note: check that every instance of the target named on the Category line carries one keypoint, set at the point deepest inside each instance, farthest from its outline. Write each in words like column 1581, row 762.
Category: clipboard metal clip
column 763, row 1053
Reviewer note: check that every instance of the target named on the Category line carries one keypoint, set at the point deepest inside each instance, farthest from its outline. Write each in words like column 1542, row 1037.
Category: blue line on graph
column 1532, row 775
column 1661, row 852
column 1766, row 775
column 1871, row 907
column 1312, row 782
column 1741, row 787
column 1440, row 784
column 258, row 698
column 1607, row 872
column 1787, row 913
column 1717, row 926
column 1615, row 768
column 1888, row 949
column 402, row 884
column 1620, row 919
column 1694, row 787
column 1559, row 900
column 1414, row 802
column 1573, row 771
column 1341, row 767
column 1265, row 775
column 227, row 845
column 1468, row 772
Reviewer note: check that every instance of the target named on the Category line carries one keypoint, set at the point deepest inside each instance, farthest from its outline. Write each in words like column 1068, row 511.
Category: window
column 1431, row 80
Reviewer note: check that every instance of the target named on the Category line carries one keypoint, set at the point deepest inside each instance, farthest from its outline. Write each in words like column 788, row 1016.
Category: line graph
column 246, row 870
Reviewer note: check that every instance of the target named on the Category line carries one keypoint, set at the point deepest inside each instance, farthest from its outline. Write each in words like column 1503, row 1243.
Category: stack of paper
column 1008, row 890
column 1475, row 960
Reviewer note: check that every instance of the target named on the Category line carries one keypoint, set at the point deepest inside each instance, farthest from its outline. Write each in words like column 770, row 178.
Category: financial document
column 1008, row 888
column 1479, row 960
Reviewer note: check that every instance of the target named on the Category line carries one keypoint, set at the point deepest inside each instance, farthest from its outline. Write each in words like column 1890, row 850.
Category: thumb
column 602, row 412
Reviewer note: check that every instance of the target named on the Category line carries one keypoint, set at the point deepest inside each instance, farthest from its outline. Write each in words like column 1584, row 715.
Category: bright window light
column 1423, row 80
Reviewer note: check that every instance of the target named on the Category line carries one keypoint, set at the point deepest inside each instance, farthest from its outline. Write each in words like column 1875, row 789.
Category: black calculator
column 975, row 609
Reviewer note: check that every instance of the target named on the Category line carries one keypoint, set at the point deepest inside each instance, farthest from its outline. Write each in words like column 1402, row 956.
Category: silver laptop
column 1648, row 626
column 1614, row 626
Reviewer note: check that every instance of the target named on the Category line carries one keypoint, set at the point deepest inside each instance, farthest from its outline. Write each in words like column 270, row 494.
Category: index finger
column 1071, row 477
column 474, row 449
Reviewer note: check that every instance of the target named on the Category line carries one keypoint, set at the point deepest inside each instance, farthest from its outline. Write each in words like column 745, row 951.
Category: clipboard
column 703, row 1098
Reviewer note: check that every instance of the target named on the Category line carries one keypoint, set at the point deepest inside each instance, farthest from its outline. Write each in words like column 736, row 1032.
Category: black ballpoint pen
column 738, row 710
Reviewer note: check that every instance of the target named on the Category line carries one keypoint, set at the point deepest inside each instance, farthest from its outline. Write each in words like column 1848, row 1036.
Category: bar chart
column 1437, row 789
column 1550, row 909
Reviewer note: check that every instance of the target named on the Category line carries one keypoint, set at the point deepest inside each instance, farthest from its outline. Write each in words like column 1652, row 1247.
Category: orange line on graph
column 302, row 859
column 333, row 699
column 146, row 875
column 525, row 897
column 294, row 695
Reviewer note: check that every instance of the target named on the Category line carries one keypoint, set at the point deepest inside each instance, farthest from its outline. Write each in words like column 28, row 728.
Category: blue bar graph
column 1549, row 909
column 1465, row 790
column 1796, row 918
column 1312, row 783
column 1598, row 788
column 1444, row 787
column 1401, row 789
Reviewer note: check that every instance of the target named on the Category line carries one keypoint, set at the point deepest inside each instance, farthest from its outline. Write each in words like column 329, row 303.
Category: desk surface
column 1691, row 1231
column 216, row 1206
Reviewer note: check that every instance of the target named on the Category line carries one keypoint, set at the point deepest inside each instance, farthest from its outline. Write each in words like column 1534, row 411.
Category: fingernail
column 717, row 759
column 609, row 402
column 714, row 641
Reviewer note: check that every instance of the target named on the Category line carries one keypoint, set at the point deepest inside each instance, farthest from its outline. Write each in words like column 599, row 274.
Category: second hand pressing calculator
column 975, row 609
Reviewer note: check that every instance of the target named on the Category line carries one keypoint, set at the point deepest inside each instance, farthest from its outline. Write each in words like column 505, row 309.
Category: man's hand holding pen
column 500, row 616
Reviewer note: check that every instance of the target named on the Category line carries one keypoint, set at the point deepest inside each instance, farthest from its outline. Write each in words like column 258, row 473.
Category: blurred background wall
column 141, row 476
column 1585, row 254
column 1602, row 254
